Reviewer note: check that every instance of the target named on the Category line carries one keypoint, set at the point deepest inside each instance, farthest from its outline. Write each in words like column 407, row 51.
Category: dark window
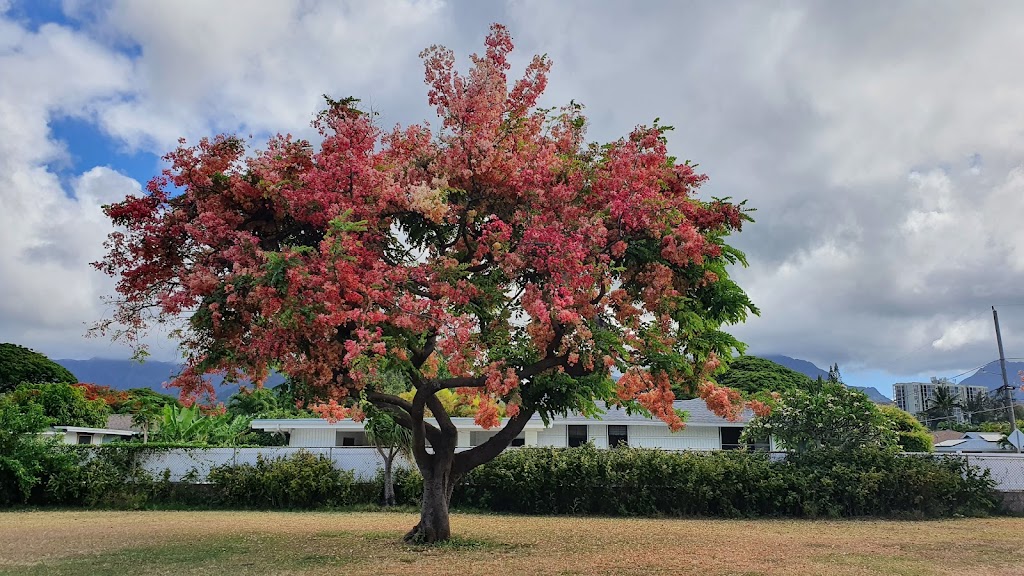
column 577, row 436
column 350, row 439
column 85, row 438
column 618, row 436
column 731, row 438
column 518, row 442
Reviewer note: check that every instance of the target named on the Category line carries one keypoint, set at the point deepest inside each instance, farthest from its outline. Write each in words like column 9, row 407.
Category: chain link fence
column 194, row 464
column 1006, row 469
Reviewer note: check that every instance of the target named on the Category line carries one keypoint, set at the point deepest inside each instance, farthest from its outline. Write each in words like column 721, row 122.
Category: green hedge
column 586, row 480
column 638, row 482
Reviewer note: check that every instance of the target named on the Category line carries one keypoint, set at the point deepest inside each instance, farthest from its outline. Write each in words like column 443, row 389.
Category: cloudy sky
column 882, row 143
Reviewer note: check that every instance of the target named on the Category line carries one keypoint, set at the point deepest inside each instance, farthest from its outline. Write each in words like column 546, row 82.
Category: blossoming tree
column 498, row 256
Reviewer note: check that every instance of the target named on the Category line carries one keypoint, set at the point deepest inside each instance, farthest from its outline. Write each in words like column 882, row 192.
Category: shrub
column 22, row 451
column 822, row 483
column 912, row 435
column 303, row 480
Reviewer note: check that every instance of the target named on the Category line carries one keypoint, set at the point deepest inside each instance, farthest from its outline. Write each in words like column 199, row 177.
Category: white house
column 83, row 435
column 704, row 431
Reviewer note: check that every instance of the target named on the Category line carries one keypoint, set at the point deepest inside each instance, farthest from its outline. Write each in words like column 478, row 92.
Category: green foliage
column 22, row 451
column 62, row 404
column 982, row 408
column 828, row 415
column 177, row 424
column 108, row 477
column 303, row 480
column 912, row 435
column 751, row 375
column 641, row 482
column 258, row 403
column 19, row 365
column 386, row 434
column 942, row 403
column 138, row 397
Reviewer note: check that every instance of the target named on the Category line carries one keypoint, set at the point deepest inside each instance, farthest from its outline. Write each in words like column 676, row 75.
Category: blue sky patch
column 33, row 14
column 88, row 147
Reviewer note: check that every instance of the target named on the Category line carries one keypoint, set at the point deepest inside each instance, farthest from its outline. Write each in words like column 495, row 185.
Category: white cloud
column 49, row 294
column 962, row 333
column 261, row 67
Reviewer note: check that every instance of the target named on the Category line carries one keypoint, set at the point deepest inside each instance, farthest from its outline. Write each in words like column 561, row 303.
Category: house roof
column 697, row 412
column 85, row 430
column 943, row 435
column 974, row 442
column 120, row 422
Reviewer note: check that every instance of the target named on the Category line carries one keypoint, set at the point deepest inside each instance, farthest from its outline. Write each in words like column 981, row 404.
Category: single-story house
column 704, row 431
column 976, row 442
column 84, row 435
column 119, row 426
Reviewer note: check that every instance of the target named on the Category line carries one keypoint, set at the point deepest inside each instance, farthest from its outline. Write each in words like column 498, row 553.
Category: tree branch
column 444, row 421
column 525, row 372
column 420, row 356
column 466, row 461
column 402, row 409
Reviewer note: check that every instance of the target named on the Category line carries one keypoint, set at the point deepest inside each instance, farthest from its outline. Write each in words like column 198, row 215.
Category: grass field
column 235, row 543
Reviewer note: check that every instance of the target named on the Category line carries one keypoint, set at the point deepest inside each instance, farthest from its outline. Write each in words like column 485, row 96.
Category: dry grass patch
column 243, row 543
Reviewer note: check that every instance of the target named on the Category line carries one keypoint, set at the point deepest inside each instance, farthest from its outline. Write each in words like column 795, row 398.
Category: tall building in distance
column 913, row 396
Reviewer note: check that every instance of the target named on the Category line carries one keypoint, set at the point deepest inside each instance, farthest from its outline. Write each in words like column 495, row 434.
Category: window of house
column 518, row 442
column 350, row 439
column 577, row 436
column 85, row 438
column 731, row 438
column 618, row 435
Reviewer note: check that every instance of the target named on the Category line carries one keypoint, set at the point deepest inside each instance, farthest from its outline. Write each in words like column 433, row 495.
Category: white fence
column 194, row 464
column 1006, row 469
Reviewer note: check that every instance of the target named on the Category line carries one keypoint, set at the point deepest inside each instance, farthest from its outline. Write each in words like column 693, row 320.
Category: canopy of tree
column 62, row 404
column 19, row 365
column 752, row 375
column 826, row 415
column 125, row 401
column 498, row 254
column 912, row 436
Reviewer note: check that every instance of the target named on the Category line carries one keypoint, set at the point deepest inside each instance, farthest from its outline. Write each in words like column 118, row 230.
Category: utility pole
column 1002, row 367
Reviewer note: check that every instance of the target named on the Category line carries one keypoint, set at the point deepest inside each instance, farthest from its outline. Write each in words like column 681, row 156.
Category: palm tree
column 390, row 439
column 942, row 403
column 980, row 408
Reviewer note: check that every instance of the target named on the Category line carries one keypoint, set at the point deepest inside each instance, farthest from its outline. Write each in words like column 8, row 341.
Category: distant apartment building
column 913, row 396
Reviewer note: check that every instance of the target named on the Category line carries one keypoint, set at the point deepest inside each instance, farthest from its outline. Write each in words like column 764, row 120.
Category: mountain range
column 124, row 374
column 990, row 376
column 813, row 372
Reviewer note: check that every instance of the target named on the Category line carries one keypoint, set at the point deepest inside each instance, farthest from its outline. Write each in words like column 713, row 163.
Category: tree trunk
column 437, row 490
column 389, row 481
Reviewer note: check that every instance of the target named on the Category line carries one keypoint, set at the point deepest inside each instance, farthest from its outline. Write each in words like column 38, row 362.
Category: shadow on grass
column 250, row 554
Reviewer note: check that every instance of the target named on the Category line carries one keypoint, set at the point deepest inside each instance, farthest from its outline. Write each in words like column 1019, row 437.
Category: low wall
column 1012, row 503
column 194, row 464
